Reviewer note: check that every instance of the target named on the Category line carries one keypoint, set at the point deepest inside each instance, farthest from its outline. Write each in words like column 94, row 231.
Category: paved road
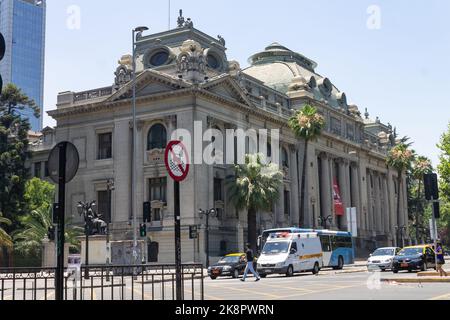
column 327, row 286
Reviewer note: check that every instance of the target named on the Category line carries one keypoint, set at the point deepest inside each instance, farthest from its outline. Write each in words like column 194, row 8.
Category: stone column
column 369, row 218
column 356, row 194
column 377, row 213
column 279, row 208
column 295, row 192
column 386, row 207
column 325, row 187
column 344, row 189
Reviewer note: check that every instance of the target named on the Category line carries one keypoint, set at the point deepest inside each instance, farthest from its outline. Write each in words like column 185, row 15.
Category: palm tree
column 255, row 187
column 35, row 228
column 5, row 239
column 307, row 124
column 421, row 166
column 400, row 158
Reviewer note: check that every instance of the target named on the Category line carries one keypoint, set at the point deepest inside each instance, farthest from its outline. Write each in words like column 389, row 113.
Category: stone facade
column 183, row 76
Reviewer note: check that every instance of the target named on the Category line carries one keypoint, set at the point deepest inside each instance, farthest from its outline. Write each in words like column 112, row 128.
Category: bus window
column 326, row 244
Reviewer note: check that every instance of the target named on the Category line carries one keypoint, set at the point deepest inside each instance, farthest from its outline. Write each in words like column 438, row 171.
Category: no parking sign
column 177, row 161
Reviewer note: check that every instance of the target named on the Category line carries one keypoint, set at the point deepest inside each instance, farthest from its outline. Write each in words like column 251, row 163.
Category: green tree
column 416, row 195
column 39, row 196
column 400, row 158
column 255, row 187
column 5, row 239
column 307, row 124
column 13, row 152
column 444, row 185
column 444, row 164
column 28, row 240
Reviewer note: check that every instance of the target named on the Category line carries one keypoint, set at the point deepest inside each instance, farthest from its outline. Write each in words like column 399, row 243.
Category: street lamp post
column 110, row 187
column 137, row 32
column 211, row 212
column 86, row 209
column 323, row 221
column 400, row 230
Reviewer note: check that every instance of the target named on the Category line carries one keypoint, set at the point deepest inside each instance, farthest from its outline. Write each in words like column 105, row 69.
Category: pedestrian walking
column 440, row 260
column 250, row 268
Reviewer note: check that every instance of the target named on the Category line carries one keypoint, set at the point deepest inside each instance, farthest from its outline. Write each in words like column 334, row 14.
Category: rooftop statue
column 221, row 40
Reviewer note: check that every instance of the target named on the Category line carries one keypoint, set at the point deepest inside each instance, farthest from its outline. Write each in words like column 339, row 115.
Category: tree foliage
column 444, row 185
column 307, row 124
column 13, row 152
column 28, row 238
column 255, row 187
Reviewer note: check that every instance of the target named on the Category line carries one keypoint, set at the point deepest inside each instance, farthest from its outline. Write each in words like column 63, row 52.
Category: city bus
column 337, row 246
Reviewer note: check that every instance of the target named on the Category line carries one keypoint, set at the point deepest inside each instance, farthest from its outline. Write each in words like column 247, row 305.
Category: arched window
column 157, row 137
column 284, row 158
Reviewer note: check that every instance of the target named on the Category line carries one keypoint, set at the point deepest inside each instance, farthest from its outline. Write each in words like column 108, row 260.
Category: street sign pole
column 177, row 163
column 178, row 239
column 59, row 281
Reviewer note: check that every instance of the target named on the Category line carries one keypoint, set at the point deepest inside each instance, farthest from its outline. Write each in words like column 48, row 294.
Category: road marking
column 284, row 287
column 443, row 297
column 320, row 291
column 249, row 291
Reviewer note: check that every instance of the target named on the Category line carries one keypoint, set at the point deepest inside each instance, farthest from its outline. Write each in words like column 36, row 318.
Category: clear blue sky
column 400, row 72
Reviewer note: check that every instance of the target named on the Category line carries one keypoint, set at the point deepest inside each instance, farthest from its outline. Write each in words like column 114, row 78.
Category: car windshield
column 276, row 247
column 383, row 252
column 231, row 259
column 410, row 251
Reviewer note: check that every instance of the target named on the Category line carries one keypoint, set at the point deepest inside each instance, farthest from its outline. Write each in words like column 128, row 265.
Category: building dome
column 280, row 68
column 277, row 66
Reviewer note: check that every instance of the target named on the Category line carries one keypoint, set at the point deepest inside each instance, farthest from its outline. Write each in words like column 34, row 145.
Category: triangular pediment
column 148, row 83
column 228, row 88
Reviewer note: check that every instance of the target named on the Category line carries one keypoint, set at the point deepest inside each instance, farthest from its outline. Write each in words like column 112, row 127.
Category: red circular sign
column 177, row 160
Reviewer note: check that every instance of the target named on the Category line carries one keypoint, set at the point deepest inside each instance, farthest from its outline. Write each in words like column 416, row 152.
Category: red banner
column 338, row 205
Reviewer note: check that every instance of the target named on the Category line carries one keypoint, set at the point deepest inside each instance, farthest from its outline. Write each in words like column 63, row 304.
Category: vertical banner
column 338, row 205
column 352, row 223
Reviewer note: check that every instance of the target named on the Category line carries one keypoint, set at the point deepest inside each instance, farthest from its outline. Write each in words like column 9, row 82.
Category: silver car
column 382, row 258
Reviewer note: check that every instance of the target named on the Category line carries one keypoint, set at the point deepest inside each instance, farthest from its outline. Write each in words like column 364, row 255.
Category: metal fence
column 141, row 282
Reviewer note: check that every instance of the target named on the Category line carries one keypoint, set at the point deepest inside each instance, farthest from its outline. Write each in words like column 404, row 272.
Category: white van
column 286, row 253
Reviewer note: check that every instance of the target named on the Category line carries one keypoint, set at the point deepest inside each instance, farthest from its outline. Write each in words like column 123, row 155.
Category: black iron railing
column 141, row 282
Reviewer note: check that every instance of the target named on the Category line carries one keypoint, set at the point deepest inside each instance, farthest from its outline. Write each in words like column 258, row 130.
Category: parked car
column 382, row 258
column 231, row 265
column 413, row 258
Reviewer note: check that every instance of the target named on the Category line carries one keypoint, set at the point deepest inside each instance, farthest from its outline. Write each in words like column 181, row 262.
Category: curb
column 414, row 280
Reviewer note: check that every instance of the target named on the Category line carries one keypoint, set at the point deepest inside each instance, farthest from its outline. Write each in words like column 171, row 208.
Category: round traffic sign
column 177, row 160
column 72, row 162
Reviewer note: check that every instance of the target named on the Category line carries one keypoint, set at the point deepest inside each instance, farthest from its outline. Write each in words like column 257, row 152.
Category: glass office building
column 22, row 23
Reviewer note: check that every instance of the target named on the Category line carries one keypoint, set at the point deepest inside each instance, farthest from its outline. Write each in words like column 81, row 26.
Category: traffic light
column 143, row 230
column 51, row 233
column 147, row 212
column 437, row 210
column 2, row 54
column 431, row 186
column 55, row 213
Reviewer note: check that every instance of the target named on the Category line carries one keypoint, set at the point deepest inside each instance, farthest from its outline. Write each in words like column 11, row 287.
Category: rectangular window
column 157, row 189
column 104, row 146
column 287, row 203
column 102, row 205
column 47, row 174
column 336, row 126
column 37, row 169
column 218, row 189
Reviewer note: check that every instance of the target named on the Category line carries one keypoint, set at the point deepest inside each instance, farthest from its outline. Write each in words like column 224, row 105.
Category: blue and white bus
column 337, row 246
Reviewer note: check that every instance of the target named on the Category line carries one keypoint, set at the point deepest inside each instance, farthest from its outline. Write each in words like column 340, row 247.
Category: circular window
column 213, row 62
column 159, row 58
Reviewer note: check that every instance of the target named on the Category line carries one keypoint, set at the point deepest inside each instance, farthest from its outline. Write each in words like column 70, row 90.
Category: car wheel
column 316, row 269
column 290, row 271
column 340, row 265
column 395, row 270
column 213, row 278
column 236, row 274
column 263, row 276
column 383, row 270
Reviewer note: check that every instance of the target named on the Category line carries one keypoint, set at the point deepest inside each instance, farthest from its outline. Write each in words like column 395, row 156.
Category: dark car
column 232, row 265
column 414, row 258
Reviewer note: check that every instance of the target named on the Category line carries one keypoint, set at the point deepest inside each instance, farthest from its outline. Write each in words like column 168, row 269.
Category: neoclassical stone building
column 183, row 75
